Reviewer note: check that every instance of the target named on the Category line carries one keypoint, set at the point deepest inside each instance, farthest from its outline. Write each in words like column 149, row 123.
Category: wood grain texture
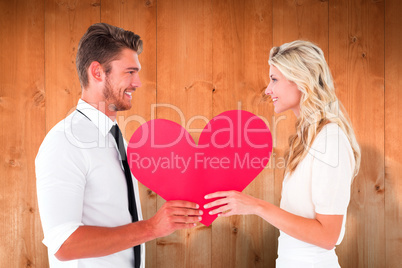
column 356, row 48
column 242, row 39
column 140, row 18
column 66, row 22
column 22, row 130
column 393, row 128
column 184, row 95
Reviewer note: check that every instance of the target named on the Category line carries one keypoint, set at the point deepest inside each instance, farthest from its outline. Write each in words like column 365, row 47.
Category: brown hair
column 103, row 43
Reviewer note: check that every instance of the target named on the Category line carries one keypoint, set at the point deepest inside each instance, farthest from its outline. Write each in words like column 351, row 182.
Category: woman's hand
column 232, row 203
column 322, row 231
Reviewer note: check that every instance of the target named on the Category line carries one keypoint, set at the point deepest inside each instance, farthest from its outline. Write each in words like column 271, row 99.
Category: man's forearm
column 93, row 241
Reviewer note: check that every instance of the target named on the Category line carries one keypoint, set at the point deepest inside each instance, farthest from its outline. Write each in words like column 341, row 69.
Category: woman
column 322, row 160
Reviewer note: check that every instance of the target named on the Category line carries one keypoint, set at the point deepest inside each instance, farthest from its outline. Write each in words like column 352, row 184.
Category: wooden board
column 22, row 109
column 356, row 49
column 184, row 95
column 242, row 39
column 140, row 18
column 66, row 22
column 393, row 129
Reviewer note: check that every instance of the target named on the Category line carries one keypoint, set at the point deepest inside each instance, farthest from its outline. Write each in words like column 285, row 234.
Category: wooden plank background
column 356, row 55
column 393, row 129
column 201, row 58
column 22, row 108
column 242, row 34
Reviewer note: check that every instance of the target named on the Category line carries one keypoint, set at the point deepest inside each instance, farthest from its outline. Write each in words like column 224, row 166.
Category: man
column 82, row 182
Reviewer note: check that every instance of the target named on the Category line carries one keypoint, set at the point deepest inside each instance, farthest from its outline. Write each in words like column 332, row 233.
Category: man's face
column 122, row 81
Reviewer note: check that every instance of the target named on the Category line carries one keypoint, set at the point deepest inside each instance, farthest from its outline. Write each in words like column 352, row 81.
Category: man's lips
column 128, row 92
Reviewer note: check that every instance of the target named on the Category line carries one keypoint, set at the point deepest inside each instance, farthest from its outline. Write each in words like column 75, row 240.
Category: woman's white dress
column 320, row 184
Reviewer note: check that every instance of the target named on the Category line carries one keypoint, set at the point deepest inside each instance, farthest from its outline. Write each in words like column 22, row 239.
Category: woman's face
column 284, row 94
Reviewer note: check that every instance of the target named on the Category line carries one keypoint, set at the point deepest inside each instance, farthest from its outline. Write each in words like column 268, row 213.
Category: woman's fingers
column 216, row 203
column 231, row 203
column 220, row 210
column 223, row 204
column 219, row 194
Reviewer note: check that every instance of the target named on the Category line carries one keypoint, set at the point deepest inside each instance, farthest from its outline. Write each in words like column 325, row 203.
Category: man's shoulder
column 56, row 133
column 74, row 130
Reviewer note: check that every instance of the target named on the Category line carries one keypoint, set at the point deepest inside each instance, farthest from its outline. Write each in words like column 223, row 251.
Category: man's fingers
column 182, row 204
column 186, row 212
column 186, row 219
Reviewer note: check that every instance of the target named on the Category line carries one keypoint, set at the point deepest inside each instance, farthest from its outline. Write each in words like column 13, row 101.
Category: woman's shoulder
column 331, row 130
column 330, row 140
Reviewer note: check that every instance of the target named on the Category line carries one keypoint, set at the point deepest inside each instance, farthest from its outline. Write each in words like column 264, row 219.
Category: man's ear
column 96, row 72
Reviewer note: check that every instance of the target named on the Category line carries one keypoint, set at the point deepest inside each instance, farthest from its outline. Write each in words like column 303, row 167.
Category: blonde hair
column 303, row 63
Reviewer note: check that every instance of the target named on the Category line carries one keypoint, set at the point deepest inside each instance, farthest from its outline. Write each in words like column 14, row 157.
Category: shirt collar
column 100, row 120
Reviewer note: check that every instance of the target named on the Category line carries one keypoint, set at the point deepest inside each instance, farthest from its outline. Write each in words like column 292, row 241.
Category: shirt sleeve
column 332, row 171
column 60, row 180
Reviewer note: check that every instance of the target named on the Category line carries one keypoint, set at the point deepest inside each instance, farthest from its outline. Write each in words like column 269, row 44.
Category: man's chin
column 120, row 107
column 126, row 107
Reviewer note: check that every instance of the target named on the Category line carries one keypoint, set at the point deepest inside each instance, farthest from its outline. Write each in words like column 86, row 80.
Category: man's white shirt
column 80, row 181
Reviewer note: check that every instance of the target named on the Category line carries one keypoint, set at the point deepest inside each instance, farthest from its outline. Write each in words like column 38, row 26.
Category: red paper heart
column 233, row 149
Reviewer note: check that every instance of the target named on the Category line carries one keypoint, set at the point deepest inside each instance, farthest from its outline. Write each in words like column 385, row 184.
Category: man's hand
column 95, row 241
column 175, row 215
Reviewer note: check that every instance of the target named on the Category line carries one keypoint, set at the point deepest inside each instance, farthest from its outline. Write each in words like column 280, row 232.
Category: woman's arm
column 322, row 231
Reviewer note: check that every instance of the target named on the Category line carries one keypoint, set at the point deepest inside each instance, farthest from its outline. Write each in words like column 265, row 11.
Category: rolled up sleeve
column 60, row 180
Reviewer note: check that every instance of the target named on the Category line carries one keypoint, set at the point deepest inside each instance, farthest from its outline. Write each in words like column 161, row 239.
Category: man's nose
column 136, row 81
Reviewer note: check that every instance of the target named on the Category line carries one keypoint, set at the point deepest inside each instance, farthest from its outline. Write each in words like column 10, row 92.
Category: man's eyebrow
column 133, row 68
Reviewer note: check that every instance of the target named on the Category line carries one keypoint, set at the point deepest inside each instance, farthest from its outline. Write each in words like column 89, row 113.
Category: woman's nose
column 268, row 90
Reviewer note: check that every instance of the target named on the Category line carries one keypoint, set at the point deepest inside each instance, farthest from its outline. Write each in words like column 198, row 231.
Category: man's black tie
column 131, row 199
